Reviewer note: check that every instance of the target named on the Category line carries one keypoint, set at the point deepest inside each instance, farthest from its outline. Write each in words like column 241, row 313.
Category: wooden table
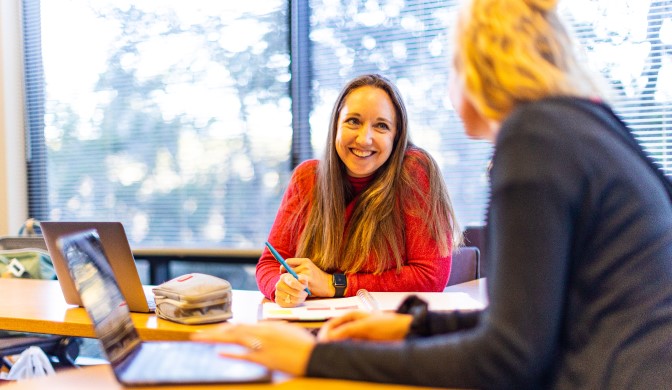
column 38, row 306
column 102, row 378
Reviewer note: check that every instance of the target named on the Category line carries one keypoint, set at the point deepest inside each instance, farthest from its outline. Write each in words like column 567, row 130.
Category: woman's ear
column 475, row 124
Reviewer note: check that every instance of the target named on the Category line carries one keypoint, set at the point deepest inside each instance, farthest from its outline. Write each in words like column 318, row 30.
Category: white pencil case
column 194, row 299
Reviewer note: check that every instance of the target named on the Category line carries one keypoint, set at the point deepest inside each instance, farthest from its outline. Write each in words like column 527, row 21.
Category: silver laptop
column 137, row 362
column 116, row 245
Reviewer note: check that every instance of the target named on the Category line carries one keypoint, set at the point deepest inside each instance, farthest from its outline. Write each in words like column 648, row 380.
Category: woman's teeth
column 362, row 153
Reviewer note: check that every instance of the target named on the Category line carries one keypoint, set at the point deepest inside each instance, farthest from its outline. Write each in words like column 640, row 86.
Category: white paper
column 323, row 309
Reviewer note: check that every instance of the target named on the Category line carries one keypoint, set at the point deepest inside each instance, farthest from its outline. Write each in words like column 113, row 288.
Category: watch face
column 340, row 280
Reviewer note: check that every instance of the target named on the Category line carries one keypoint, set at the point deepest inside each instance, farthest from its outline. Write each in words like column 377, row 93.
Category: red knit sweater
column 423, row 269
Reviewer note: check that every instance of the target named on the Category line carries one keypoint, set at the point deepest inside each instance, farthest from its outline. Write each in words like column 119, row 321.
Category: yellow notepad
column 322, row 309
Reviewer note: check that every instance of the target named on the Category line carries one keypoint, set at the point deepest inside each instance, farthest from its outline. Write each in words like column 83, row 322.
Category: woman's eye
column 383, row 126
column 352, row 121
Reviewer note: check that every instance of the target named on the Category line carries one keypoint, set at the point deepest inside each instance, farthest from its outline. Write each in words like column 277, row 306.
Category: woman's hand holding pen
column 366, row 326
column 319, row 282
column 276, row 345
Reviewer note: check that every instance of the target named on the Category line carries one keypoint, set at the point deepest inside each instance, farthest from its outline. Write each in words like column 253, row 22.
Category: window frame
column 34, row 112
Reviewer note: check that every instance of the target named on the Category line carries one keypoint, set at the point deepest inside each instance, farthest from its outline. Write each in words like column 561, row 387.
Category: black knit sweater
column 580, row 248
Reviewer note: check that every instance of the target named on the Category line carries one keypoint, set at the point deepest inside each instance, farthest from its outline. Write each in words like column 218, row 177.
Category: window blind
column 172, row 117
column 184, row 120
column 628, row 43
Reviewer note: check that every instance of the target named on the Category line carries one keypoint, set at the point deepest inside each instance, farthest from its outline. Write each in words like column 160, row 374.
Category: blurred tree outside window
column 175, row 117
column 172, row 117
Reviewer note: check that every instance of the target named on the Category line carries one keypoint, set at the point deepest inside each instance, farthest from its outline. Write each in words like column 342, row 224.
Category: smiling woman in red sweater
column 374, row 213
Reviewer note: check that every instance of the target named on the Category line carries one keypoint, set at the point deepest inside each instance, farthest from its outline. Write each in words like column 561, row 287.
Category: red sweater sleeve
column 282, row 237
column 423, row 269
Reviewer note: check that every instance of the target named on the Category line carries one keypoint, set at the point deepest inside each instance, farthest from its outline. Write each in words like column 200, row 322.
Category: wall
column 13, row 184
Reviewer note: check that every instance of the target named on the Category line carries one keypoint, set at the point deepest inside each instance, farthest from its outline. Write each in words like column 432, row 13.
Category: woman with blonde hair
column 579, row 239
column 374, row 213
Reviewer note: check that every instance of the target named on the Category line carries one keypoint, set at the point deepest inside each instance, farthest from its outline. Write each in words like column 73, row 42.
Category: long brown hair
column 376, row 225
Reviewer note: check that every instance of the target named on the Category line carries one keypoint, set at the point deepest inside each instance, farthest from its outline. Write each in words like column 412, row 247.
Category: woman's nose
column 365, row 134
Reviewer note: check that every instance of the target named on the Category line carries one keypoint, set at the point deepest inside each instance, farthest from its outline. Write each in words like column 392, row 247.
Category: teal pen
column 284, row 263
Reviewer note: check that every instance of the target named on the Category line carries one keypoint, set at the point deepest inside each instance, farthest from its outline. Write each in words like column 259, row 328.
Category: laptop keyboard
column 184, row 361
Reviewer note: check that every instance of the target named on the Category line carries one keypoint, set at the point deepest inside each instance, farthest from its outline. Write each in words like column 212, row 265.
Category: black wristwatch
column 340, row 282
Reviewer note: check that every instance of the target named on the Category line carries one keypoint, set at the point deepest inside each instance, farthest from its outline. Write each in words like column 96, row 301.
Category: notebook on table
column 323, row 309
column 119, row 253
column 136, row 362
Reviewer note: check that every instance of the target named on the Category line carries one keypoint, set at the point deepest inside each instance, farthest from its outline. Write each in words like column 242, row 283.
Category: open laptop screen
column 100, row 293
column 117, row 251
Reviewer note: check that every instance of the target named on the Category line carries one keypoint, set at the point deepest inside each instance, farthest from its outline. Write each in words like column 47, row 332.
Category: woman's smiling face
column 367, row 125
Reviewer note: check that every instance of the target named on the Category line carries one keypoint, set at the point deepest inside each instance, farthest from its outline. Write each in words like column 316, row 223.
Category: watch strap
column 340, row 283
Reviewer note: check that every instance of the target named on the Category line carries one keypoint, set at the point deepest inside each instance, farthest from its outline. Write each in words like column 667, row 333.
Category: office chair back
column 465, row 266
column 474, row 235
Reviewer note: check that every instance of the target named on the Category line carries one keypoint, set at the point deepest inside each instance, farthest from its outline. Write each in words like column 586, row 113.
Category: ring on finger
column 255, row 344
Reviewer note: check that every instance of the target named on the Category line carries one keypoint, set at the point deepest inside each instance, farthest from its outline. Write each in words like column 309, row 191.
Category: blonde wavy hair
column 376, row 226
column 514, row 51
